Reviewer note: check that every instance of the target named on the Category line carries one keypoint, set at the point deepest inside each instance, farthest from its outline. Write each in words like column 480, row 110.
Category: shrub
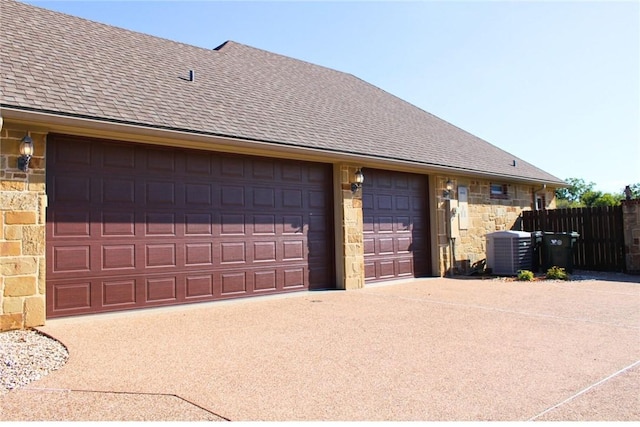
column 557, row 273
column 525, row 275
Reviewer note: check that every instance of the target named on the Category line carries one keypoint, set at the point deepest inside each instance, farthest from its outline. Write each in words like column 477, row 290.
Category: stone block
column 20, row 217
column 12, row 321
column 10, row 249
column 6, row 185
column 13, row 305
column 19, row 286
column 18, row 201
column 34, row 311
column 37, row 183
column 18, row 266
column 33, row 240
column 10, row 146
column 13, row 232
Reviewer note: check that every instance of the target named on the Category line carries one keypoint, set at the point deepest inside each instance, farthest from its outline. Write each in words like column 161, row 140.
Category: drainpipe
column 451, row 239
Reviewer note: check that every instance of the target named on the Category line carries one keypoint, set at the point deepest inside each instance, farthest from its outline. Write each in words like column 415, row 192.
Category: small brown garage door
column 396, row 233
column 131, row 226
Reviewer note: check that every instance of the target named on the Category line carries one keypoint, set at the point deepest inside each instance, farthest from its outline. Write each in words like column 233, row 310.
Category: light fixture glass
column 26, row 151
column 26, row 146
column 448, row 192
column 358, row 179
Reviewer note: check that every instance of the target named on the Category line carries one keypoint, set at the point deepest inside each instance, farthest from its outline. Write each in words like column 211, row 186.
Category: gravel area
column 26, row 356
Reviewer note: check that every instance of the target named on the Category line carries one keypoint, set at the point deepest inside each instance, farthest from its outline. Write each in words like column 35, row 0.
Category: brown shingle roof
column 59, row 63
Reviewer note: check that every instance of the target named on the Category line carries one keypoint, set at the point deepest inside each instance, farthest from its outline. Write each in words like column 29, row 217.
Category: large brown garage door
column 396, row 232
column 132, row 226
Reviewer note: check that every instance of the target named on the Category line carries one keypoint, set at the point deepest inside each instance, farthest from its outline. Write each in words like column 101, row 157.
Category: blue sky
column 555, row 83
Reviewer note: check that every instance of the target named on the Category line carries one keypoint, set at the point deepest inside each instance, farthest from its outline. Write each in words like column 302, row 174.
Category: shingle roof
column 58, row 63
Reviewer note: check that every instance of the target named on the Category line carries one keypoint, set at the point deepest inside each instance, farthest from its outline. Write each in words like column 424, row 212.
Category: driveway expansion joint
column 131, row 394
column 583, row 391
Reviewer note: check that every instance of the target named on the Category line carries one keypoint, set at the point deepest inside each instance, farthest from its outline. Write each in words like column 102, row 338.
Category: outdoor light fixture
column 359, row 179
column 449, row 191
column 26, row 151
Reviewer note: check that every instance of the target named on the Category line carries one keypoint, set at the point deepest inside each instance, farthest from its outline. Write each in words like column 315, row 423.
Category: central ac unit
column 509, row 251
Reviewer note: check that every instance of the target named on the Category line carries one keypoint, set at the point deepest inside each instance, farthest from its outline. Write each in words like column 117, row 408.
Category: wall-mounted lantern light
column 449, row 190
column 26, row 151
column 357, row 182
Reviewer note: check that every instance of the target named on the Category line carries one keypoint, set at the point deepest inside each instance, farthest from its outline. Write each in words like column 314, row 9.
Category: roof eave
column 53, row 121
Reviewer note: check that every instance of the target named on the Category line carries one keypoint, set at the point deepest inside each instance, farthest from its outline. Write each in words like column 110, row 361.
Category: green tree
column 607, row 199
column 571, row 197
column 590, row 197
column 582, row 194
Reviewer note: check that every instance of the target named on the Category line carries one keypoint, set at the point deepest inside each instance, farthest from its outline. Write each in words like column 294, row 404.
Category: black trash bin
column 557, row 250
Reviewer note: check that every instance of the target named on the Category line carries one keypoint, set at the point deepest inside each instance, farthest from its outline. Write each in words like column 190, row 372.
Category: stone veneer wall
column 352, row 226
column 485, row 215
column 631, row 223
column 22, row 233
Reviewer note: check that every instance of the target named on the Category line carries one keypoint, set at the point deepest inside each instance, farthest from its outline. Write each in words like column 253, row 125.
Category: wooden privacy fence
column 600, row 246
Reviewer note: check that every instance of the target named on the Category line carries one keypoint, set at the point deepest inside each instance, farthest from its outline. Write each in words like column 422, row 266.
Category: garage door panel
column 386, row 269
column 292, row 224
column 117, row 224
column 264, row 197
column 292, row 199
column 199, row 194
column 71, row 189
column 234, row 283
column 232, row 224
column 71, row 224
column 385, row 224
column 367, row 202
column 264, row 224
column 199, row 254
column 199, row 286
column 370, row 271
column 384, row 202
column 122, row 158
column 405, row 267
column 161, row 160
column 264, row 251
column 198, row 224
column 160, row 224
column 232, row 196
column 263, row 169
column 69, row 296
column 402, row 203
column 161, row 289
column 395, row 214
column 73, row 155
column 160, row 193
column 294, row 277
column 118, row 257
column 147, row 226
column 199, row 165
column 71, row 258
column 403, row 224
column 119, row 293
column 118, row 190
column 265, row 280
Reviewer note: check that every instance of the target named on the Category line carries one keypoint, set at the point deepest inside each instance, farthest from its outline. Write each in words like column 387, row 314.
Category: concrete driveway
column 431, row 350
